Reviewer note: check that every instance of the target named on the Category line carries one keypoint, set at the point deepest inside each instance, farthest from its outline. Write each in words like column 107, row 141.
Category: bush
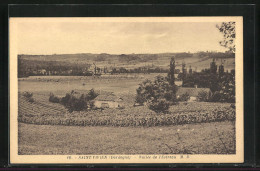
column 92, row 94
column 217, row 97
column 184, row 97
column 28, row 96
column 202, row 96
column 160, row 105
column 30, row 100
column 92, row 104
column 72, row 103
column 54, row 99
column 221, row 96
column 66, row 100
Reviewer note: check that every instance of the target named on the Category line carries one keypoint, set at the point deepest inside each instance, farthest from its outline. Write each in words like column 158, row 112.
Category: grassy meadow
column 206, row 138
column 188, row 128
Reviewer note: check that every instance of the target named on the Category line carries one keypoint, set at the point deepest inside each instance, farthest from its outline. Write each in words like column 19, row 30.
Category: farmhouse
column 108, row 101
column 192, row 92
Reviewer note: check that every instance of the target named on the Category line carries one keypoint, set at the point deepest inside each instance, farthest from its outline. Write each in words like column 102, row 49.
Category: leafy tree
column 92, row 94
column 184, row 97
column 226, row 92
column 159, row 88
column 73, row 103
column 53, row 98
column 228, row 30
column 162, row 91
column 171, row 77
column 203, row 96
column 228, row 88
column 159, row 105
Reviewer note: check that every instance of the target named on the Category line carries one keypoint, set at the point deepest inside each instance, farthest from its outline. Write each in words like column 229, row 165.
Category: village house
column 42, row 72
column 193, row 92
column 108, row 101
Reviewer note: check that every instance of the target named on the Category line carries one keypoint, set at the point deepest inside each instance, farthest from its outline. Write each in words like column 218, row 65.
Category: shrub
column 160, row 105
column 217, row 97
column 221, row 96
column 78, row 104
column 92, row 104
column 31, row 99
column 184, row 97
column 140, row 99
column 28, row 96
column 233, row 106
column 72, row 103
column 92, row 94
column 202, row 96
column 54, row 99
column 65, row 100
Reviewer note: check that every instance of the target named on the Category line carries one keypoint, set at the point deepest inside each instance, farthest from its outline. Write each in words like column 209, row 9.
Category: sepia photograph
column 126, row 90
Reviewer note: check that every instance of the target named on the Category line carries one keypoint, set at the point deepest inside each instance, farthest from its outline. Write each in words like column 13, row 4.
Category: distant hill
column 197, row 61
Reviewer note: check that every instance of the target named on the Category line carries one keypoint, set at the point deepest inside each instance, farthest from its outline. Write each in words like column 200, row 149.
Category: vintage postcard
column 126, row 90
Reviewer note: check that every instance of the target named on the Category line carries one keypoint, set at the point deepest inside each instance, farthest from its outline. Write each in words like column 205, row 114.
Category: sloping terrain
column 196, row 61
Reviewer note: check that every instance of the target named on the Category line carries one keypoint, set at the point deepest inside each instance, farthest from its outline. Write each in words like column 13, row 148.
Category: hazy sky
column 117, row 37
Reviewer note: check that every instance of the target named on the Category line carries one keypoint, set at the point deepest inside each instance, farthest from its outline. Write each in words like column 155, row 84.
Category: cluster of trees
column 184, row 54
column 160, row 93
column 221, row 84
column 76, row 103
column 216, row 55
column 30, row 68
column 139, row 70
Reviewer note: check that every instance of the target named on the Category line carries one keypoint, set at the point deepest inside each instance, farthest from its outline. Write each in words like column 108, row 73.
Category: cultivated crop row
column 48, row 113
column 130, row 120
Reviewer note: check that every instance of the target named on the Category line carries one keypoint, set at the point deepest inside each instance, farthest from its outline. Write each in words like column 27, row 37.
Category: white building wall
column 111, row 104
column 192, row 99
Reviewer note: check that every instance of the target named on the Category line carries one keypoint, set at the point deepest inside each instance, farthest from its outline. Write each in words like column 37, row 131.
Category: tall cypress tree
column 171, row 79
column 171, row 72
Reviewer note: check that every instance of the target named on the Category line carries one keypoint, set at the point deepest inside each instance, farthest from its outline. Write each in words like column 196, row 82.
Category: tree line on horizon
column 30, row 67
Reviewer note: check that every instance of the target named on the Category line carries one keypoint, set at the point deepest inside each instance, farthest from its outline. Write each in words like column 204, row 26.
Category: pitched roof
column 191, row 91
column 107, row 97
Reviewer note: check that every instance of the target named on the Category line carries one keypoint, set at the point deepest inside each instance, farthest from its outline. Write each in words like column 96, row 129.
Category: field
column 48, row 128
column 119, row 84
column 213, row 138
